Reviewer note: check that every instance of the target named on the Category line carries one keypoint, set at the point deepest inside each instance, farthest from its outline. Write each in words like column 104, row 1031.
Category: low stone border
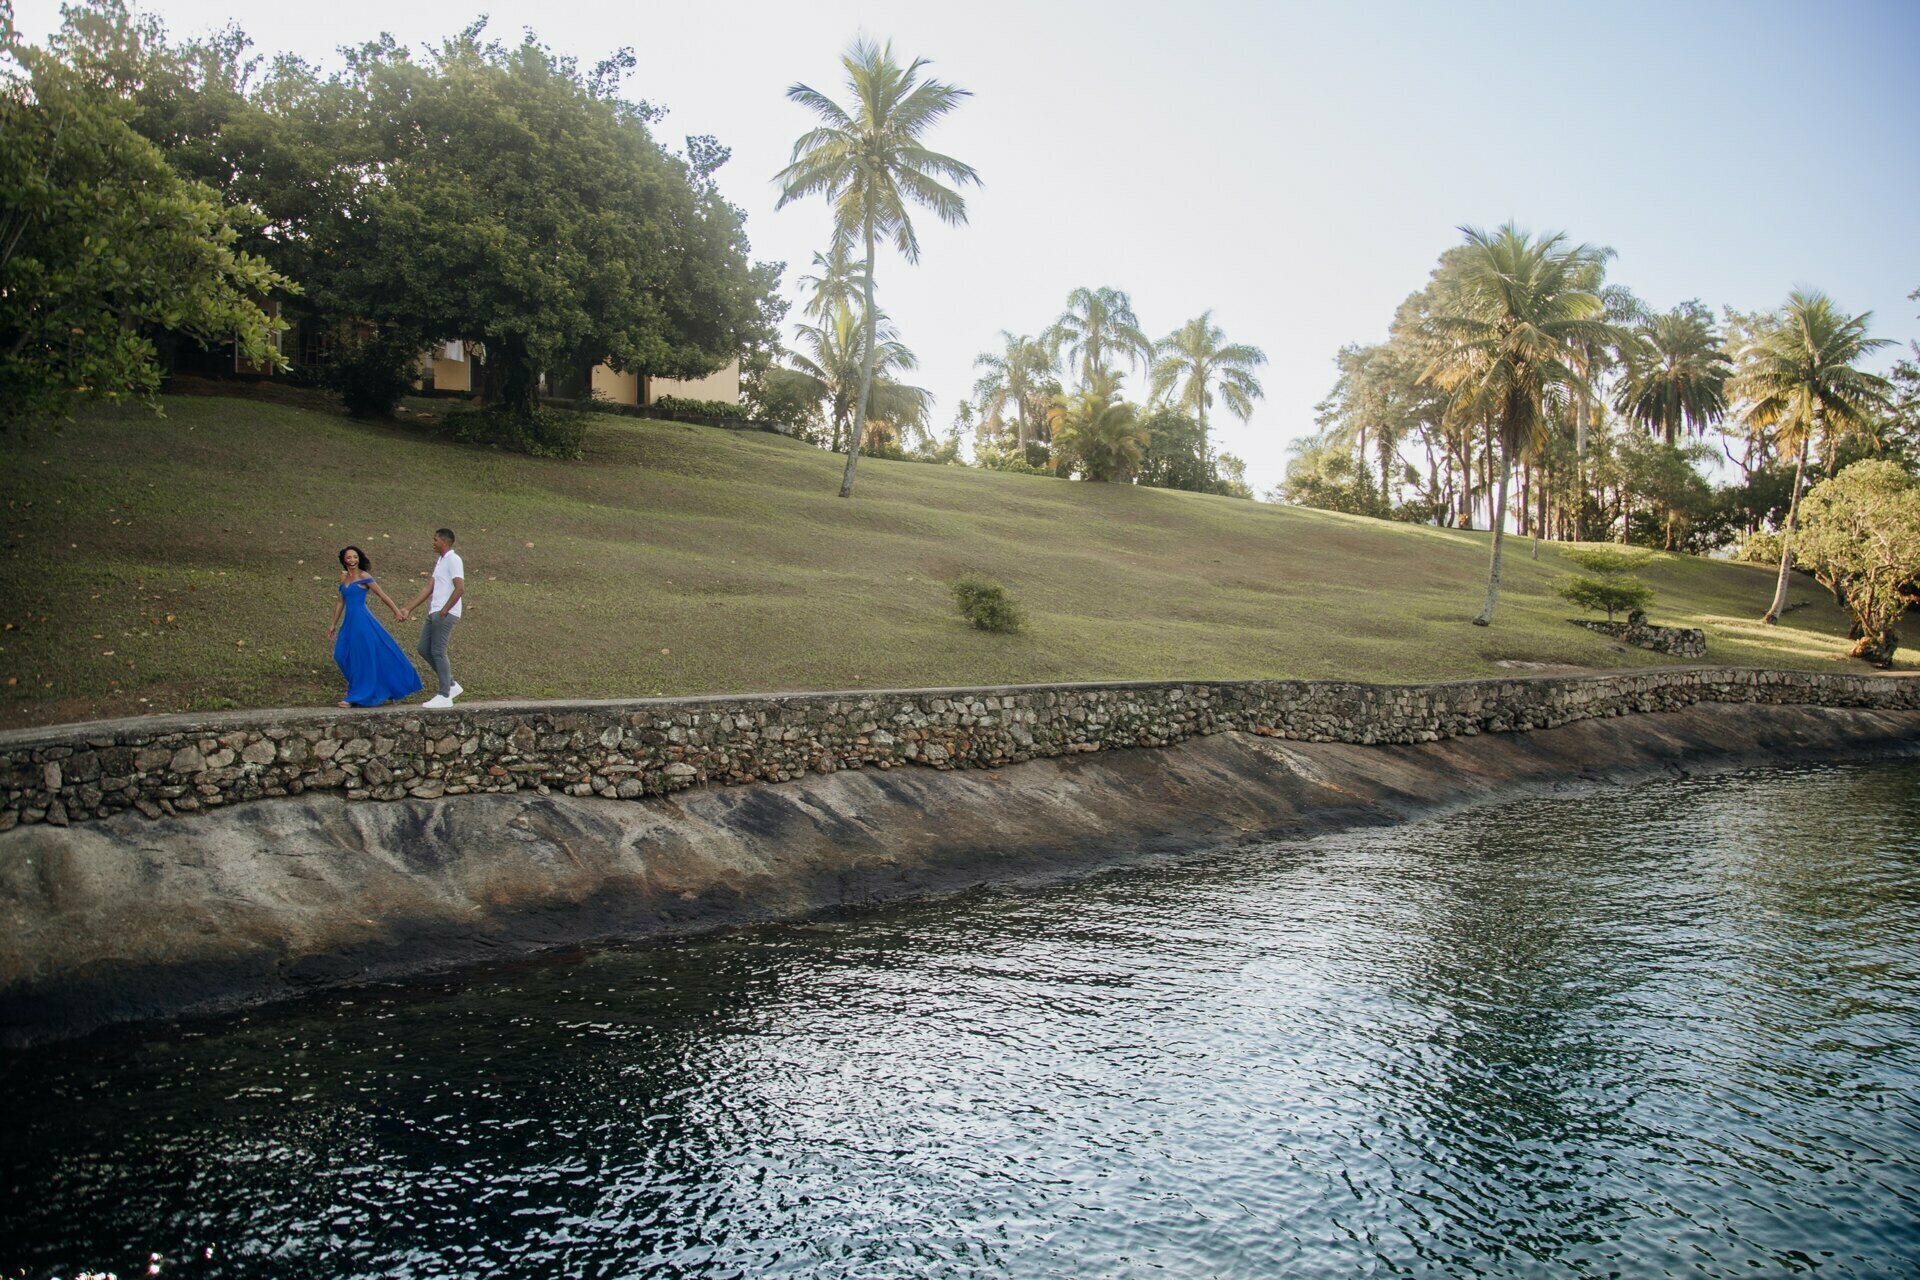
column 649, row 747
column 1677, row 642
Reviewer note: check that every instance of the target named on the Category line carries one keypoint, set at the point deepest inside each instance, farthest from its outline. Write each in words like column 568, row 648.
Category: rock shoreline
column 128, row 918
column 167, row 766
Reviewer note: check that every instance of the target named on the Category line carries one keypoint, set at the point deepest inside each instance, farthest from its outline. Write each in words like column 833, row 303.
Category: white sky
column 1297, row 168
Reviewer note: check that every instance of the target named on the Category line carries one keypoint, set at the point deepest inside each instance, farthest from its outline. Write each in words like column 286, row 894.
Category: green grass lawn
column 187, row 563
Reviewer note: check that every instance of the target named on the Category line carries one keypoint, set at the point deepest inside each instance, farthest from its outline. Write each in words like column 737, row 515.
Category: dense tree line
column 1521, row 390
column 490, row 192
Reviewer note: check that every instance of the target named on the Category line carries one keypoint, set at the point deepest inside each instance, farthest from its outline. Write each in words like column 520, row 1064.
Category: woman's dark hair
column 365, row 564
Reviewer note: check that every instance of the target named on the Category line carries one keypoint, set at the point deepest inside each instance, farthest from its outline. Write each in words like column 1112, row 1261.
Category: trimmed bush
column 547, row 432
column 702, row 408
column 986, row 604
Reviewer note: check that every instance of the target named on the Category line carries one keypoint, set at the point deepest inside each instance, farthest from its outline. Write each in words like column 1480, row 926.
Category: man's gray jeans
column 434, row 634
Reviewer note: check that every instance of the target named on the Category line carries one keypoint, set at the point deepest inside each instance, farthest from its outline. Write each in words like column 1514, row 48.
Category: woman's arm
column 398, row 612
column 339, row 607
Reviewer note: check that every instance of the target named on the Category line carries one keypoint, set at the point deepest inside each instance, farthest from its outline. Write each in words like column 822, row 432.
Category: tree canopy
column 103, row 245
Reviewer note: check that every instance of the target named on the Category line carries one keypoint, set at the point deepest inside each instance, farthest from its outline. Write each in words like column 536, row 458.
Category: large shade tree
column 1513, row 311
column 1195, row 363
column 526, row 206
column 1800, row 384
column 868, row 159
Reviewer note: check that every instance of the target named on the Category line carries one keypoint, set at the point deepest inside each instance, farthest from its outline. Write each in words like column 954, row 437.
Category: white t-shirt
column 445, row 570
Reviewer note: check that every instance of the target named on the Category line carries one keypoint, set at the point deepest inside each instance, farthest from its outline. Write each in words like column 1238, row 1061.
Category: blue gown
column 376, row 669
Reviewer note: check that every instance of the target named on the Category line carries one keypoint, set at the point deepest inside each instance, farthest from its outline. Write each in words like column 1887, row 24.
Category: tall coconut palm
column 1798, row 381
column 1097, row 326
column 1677, row 373
column 1509, row 322
column 1021, row 375
column 870, row 164
column 1195, row 361
column 1097, row 432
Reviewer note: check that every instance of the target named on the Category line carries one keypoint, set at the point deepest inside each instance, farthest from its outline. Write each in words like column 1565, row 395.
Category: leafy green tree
column 1096, row 434
column 1324, row 474
column 1799, row 383
column 1862, row 541
column 1097, row 326
column 870, row 164
column 1509, row 324
column 101, row 245
column 1020, row 377
column 1177, row 456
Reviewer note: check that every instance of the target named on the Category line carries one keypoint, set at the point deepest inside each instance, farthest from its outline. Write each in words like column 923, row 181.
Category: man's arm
column 459, row 589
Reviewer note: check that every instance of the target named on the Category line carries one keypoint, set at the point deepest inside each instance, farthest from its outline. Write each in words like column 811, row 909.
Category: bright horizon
column 1296, row 169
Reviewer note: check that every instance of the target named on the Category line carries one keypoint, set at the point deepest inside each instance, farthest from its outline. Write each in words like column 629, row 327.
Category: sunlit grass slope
column 187, row 562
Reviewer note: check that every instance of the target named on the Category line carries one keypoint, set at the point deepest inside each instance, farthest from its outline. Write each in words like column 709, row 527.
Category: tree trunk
column 1485, row 617
column 859, row 430
column 1779, row 605
column 1580, row 466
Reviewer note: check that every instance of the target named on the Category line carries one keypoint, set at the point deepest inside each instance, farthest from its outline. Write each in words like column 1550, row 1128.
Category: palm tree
column 870, row 164
column 1593, row 358
column 853, row 388
column 1509, row 322
column 1676, row 374
column 1196, row 360
column 835, row 283
column 1097, row 325
column 1020, row 375
column 1798, row 380
column 1098, row 432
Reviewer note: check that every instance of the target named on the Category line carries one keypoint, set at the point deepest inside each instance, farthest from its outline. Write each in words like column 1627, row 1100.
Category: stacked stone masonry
column 629, row 750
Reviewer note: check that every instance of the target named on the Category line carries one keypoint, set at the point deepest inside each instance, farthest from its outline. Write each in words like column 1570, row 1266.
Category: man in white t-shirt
column 449, row 585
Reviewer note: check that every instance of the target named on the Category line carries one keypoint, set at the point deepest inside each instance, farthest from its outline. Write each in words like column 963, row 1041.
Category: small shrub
column 986, row 604
column 371, row 371
column 1612, row 593
column 546, row 432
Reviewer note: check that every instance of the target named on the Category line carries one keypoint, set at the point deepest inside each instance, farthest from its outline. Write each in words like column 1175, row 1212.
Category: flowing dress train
column 376, row 668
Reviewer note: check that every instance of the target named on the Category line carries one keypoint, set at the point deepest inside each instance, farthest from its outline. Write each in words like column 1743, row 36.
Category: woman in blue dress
column 376, row 668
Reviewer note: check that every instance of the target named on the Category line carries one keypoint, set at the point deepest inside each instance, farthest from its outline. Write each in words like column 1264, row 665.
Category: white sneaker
column 455, row 692
column 437, row 701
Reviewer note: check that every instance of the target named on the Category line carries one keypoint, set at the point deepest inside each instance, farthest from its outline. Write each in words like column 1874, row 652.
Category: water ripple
column 1659, row 1030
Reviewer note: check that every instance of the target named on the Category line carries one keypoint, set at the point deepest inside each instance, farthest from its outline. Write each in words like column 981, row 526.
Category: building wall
column 621, row 388
column 724, row 385
column 451, row 375
column 645, row 747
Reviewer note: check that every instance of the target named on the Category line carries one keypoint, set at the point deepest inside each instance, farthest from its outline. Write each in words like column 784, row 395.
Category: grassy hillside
column 188, row 563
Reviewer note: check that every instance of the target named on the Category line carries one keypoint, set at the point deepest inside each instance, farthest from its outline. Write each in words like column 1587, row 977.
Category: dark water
column 1671, row 1029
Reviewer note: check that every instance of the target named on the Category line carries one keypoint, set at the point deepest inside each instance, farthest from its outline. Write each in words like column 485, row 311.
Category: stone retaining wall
column 176, row 764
